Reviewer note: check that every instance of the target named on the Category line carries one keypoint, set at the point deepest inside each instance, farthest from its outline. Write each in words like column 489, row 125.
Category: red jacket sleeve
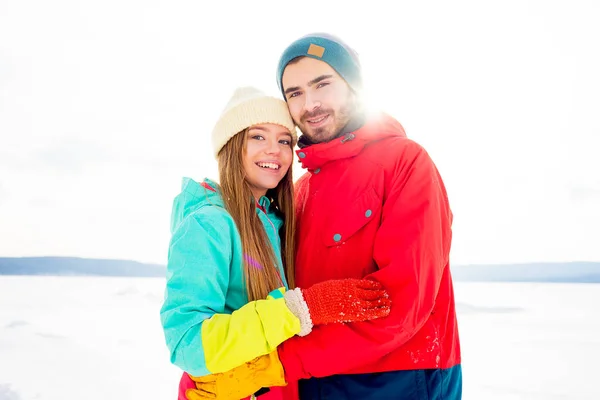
column 411, row 249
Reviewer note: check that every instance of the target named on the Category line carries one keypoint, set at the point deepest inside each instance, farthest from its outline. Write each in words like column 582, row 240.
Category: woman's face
column 267, row 157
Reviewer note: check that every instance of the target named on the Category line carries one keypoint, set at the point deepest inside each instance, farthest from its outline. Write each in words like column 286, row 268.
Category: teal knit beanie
column 328, row 48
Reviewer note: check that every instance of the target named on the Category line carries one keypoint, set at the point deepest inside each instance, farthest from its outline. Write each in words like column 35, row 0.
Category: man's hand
column 240, row 382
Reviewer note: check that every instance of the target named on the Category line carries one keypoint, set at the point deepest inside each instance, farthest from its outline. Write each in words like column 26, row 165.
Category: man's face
column 319, row 99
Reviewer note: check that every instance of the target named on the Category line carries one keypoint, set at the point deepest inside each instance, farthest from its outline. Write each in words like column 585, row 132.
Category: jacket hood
column 194, row 195
column 376, row 128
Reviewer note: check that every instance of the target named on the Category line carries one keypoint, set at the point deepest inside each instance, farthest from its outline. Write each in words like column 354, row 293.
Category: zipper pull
column 348, row 137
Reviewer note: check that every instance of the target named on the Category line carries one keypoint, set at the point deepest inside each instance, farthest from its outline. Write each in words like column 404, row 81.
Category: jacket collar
column 314, row 156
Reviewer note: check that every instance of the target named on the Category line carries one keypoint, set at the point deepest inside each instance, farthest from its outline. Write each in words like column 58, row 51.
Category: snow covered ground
column 100, row 338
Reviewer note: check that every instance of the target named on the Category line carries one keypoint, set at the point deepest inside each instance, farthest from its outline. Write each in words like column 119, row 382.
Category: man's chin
column 318, row 135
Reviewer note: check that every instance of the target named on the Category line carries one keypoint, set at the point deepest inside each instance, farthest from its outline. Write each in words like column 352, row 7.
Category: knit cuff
column 295, row 302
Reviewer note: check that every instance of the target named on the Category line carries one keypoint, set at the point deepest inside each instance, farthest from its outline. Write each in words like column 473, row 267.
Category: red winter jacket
column 373, row 204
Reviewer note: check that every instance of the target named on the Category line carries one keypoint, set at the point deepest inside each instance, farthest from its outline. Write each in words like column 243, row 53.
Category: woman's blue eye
column 258, row 137
column 286, row 142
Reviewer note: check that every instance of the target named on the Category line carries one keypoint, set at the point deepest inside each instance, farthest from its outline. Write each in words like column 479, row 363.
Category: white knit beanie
column 249, row 106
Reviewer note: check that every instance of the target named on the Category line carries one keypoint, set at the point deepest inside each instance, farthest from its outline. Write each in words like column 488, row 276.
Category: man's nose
column 311, row 103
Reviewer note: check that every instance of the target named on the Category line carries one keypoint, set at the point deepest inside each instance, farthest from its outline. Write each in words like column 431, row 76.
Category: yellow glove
column 240, row 382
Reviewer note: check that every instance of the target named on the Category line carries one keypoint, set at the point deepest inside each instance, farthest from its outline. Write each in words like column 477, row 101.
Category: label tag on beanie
column 315, row 50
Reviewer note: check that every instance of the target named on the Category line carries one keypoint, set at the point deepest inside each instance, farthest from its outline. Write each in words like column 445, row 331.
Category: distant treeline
column 72, row 266
column 574, row 272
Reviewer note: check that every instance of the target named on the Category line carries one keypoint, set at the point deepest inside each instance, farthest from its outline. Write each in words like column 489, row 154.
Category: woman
column 231, row 254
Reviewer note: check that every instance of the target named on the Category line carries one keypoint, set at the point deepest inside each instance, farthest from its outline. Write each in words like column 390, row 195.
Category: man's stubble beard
column 342, row 117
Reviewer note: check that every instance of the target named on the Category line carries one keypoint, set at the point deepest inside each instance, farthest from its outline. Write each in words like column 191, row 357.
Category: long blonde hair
column 260, row 263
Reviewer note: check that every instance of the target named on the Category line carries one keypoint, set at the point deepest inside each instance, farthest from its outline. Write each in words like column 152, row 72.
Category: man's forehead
column 302, row 71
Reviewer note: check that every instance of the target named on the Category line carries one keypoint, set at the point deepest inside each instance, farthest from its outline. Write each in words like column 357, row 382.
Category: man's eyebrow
column 310, row 83
column 319, row 79
column 292, row 89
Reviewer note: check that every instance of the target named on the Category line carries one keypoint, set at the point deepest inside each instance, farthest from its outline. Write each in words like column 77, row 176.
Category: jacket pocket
column 354, row 214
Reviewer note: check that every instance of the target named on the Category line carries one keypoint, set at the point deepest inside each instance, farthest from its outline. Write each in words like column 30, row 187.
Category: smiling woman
column 268, row 156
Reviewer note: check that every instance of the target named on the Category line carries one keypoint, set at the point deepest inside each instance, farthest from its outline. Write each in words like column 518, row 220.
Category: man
column 372, row 204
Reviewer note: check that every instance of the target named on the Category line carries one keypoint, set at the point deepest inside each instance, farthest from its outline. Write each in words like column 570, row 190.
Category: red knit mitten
column 333, row 301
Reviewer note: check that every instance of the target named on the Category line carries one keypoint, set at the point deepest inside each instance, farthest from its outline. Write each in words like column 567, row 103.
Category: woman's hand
column 240, row 382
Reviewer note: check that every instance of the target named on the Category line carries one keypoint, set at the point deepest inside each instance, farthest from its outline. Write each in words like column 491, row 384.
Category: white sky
column 104, row 106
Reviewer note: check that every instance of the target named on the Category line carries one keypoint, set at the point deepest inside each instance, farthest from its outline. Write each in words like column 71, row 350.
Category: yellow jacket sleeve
column 254, row 330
